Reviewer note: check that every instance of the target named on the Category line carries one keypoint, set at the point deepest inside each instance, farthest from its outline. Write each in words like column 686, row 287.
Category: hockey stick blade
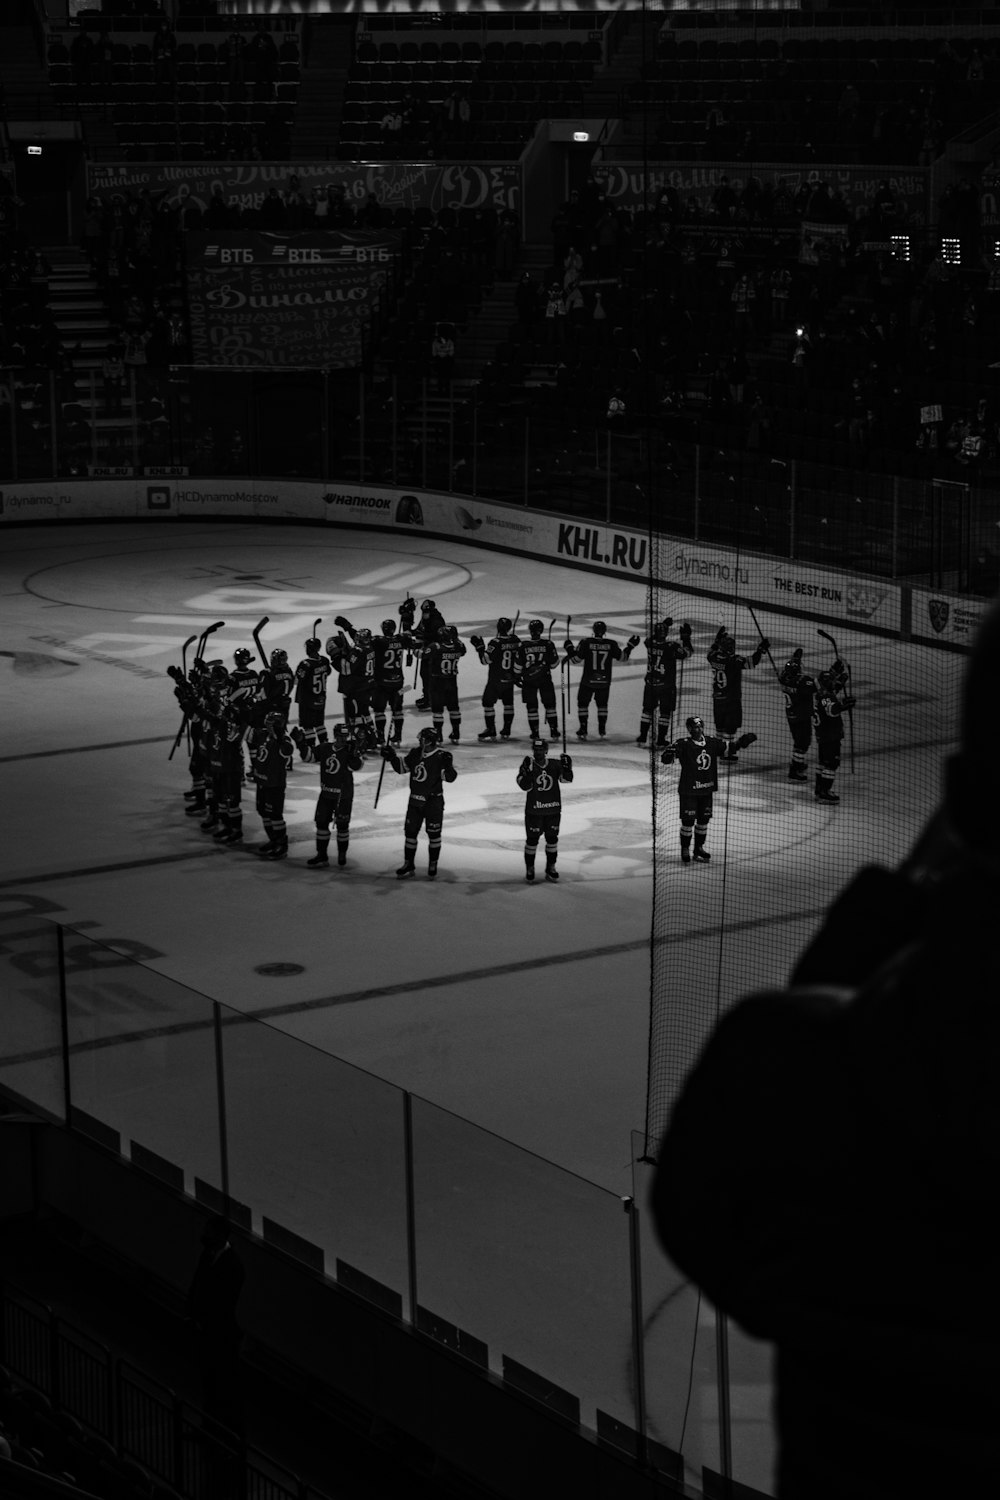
column 256, row 635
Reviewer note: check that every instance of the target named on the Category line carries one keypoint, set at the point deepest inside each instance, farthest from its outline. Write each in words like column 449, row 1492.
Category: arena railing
column 937, row 525
column 541, row 1279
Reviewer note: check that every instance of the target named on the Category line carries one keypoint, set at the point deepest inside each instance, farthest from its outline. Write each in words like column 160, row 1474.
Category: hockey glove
column 668, row 757
column 526, row 765
column 720, row 634
column 568, row 647
column 566, row 762
column 745, row 740
column 343, row 624
column 668, row 622
column 685, row 631
column 797, row 654
column 388, row 753
column 477, row 641
column 765, row 644
column 850, row 702
column 632, row 642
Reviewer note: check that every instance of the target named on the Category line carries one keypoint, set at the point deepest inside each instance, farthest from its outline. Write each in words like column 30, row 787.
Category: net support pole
column 697, row 492
column 894, row 559
column 793, row 483
column 638, row 1334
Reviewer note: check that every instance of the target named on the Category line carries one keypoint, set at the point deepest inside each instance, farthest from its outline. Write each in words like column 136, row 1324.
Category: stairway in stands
column 326, row 59
column 83, row 322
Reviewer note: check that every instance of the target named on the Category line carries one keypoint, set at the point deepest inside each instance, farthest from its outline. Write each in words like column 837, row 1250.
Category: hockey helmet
column 828, row 681
column 388, row 627
column 535, row 628
column 600, row 628
column 504, row 626
column 218, row 671
column 275, row 722
column 695, row 727
column 243, row 657
column 726, row 645
column 427, row 737
column 659, row 633
column 312, row 646
column 341, row 732
column 426, row 606
column 363, row 637
column 279, row 657
column 540, row 749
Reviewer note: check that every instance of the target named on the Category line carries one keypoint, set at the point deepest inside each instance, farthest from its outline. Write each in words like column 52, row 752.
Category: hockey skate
column 318, row 862
column 406, row 871
column 581, row 734
column 701, row 853
column 454, row 737
column 797, row 773
column 487, row 734
column 505, row 734
column 685, row 854
column 529, row 872
column 826, row 794
column 432, row 869
column 551, row 873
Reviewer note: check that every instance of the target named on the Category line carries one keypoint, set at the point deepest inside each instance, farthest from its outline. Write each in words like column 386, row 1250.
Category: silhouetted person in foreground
column 211, row 1305
column 831, row 1173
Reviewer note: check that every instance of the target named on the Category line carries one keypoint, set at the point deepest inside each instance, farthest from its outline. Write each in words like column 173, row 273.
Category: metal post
column 93, row 417
column 64, row 1025
column 638, row 1345
column 135, row 412
column 793, row 482
column 607, row 482
column 52, row 424
column 475, row 446
column 451, row 436
column 411, row 1208
column 423, row 431
column 362, row 437
column 220, row 1091
column 324, row 428
column 725, row 1410
column 395, row 435
column 894, row 559
column 697, row 490
column 527, row 458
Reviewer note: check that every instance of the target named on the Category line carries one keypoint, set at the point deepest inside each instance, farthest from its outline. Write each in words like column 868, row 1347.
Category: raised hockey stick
column 210, row 630
column 564, row 691
column 256, row 635
column 184, row 649
column 316, row 625
column 850, row 712
column 513, row 628
column 677, row 699
column 762, row 636
column 378, row 789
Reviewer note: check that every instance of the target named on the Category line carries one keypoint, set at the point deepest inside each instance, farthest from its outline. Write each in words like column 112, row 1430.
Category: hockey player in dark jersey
column 271, row 755
column 499, row 659
column 429, row 766
column 353, row 654
column 387, row 689
column 278, row 683
column 698, row 756
column 444, row 655
column 659, row 693
column 800, row 691
column 727, row 685
column 231, row 723
column 311, row 677
column 186, row 691
column 540, row 776
column 426, row 630
column 597, row 655
column 244, row 683
column 533, row 663
column 337, row 759
column 829, row 706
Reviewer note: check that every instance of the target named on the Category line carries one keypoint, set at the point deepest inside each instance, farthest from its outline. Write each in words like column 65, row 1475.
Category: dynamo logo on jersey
column 419, row 772
column 543, row 782
column 704, row 761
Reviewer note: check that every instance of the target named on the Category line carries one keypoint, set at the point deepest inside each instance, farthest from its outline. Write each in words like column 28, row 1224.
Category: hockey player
column 311, row 677
column 597, row 654
column 699, row 755
column 271, row 756
column 727, row 685
column 429, row 767
column 659, row 693
column 800, row 692
column 540, row 777
column 214, row 701
column 387, row 689
column 337, row 759
column 244, row 682
column 829, row 707
column 353, row 654
column 533, row 662
column 444, row 655
column 188, row 698
column 499, row 660
column 425, row 631
column 278, row 683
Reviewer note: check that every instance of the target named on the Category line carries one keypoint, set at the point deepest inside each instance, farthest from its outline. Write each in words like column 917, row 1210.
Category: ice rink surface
column 523, row 1008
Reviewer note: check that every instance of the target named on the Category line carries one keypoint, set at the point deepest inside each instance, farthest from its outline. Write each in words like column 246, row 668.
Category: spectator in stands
column 212, row 1303
column 555, row 315
column 391, row 126
column 572, row 267
column 443, row 356
column 272, row 209
column 165, row 53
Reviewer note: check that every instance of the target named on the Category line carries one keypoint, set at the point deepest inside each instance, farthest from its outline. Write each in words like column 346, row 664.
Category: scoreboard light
column 951, row 251
column 34, row 150
column 899, row 246
column 581, row 135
